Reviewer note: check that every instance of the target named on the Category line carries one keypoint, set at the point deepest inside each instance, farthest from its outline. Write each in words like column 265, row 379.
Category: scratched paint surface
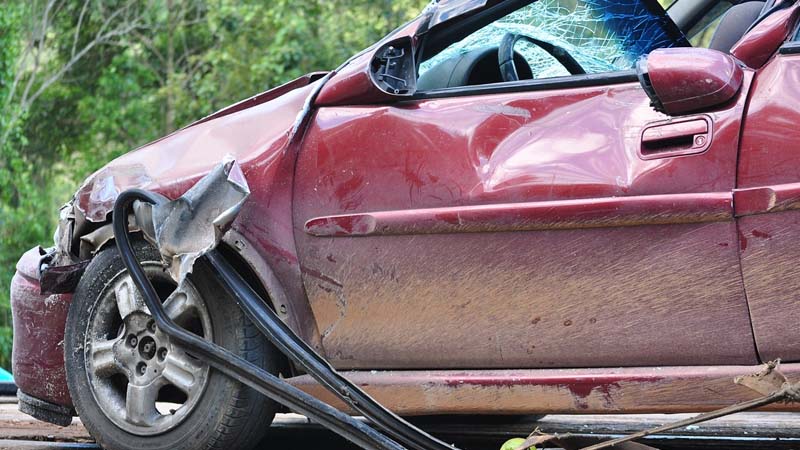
column 38, row 358
column 577, row 298
column 770, row 243
column 637, row 295
column 547, row 391
column 770, row 252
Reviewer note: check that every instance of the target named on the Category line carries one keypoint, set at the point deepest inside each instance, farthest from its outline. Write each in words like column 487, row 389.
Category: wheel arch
column 258, row 274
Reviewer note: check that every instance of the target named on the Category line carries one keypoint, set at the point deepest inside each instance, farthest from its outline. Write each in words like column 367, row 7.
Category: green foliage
column 165, row 63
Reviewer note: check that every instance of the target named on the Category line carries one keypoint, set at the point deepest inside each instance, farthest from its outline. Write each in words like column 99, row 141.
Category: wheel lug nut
column 162, row 354
column 141, row 368
column 147, row 348
column 152, row 326
column 132, row 341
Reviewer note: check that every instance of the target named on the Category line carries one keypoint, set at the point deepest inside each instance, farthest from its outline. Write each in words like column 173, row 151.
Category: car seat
column 735, row 23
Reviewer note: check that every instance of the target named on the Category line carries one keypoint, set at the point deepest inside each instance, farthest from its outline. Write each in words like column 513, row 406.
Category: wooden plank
column 750, row 425
column 16, row 425
column 772, row 431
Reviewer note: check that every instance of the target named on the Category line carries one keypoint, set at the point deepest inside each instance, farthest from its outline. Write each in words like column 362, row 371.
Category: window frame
column 437, row 39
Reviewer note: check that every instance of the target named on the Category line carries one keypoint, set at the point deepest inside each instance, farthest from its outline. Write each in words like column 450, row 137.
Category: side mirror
column 379, row 75
column 392, row 69
column 685, row 80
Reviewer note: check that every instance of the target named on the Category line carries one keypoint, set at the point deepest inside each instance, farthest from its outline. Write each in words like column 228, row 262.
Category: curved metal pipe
column 302, row 354
column 226, row 362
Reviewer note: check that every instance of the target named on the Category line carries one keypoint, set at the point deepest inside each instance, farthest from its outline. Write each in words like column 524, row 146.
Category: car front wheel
column 135, row 389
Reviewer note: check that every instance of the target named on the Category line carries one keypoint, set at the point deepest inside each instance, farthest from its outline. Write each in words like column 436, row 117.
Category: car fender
column 258, row 133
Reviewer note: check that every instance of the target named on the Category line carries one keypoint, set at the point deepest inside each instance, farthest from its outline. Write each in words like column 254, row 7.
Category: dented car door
column 519, row 229
column 554, row 221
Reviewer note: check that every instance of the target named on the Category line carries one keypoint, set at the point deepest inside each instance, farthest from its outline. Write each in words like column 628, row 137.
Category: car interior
column 715, row 24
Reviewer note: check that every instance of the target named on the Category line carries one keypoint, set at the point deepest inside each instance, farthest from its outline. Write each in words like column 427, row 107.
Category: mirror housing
column 687, row 80
column 375, row 76
column 393, row 70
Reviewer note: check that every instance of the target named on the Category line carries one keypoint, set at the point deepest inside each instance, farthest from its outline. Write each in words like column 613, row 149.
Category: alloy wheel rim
column 144, row 383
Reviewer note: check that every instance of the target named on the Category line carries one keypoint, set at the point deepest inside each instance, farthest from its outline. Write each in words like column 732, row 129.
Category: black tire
column 225, row 415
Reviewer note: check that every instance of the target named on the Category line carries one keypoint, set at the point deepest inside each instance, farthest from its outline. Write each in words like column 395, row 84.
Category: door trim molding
column 766, row 199
column 532, row 216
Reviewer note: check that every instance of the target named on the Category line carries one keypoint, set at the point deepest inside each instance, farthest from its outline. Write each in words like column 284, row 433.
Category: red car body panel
column 514, row 232
column 38, row 356
column 550, row 391
column 760, row 43
column 769, row 173
column 258, row 138
column 435, row 186
column 680, row 90
column 535, row 216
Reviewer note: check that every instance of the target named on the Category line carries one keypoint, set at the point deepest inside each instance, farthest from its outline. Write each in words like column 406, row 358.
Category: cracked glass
column 601, row 35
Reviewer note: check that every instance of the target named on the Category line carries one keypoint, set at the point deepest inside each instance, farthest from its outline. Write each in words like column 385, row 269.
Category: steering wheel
column 506, row 56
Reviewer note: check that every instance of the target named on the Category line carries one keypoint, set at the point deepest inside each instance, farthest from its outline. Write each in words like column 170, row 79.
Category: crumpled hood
column 252, row 131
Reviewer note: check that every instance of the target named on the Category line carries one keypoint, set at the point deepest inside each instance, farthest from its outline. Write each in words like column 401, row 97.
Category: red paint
column 475, row 211
column 581, row 387
column 761, row 200
column 257, row 136
column 742, row 241
column 564, row 214
column 677, row 137
column 761, row 234
column 766, row 161
column 320, row 276
column 767, row 201
column 485, row 200
column 713, row 78
column 542, row 391
column 38, row 357
column 758, row 46
column 264, row 97
column 353, row 84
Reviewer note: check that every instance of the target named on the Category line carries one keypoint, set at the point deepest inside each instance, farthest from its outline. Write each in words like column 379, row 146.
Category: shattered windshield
column 601, row 35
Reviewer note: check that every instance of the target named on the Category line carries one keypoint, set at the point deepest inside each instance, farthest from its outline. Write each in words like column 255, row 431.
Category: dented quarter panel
column 769, row 197
column 622, row 289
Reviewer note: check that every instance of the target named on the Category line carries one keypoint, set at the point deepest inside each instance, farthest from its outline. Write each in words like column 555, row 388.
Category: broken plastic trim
column 225, row 361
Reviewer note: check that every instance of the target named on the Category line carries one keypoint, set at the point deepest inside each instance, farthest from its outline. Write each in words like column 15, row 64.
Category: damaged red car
column 503, row 207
